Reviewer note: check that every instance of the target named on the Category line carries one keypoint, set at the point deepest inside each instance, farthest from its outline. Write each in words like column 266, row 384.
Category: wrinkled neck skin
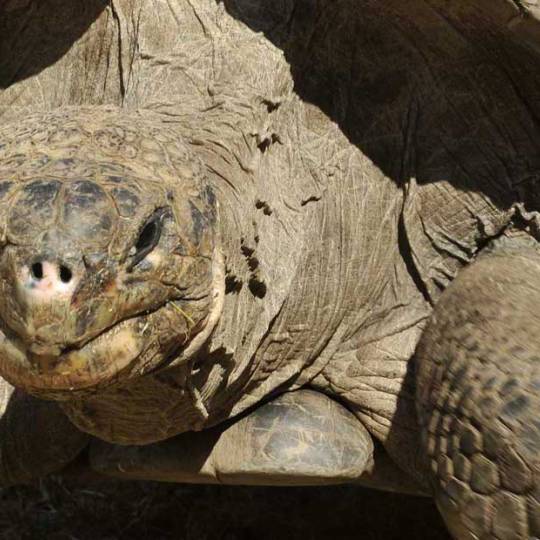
column 229, row 372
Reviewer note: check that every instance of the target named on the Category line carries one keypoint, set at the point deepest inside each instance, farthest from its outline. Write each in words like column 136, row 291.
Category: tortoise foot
column 300, row 438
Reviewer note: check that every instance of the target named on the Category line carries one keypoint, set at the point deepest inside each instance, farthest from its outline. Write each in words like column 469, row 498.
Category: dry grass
column 56, row 510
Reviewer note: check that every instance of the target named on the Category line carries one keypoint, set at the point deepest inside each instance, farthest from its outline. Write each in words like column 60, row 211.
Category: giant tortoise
column 286, row 243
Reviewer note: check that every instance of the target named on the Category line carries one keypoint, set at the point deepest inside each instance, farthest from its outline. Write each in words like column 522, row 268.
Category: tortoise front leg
column 36, row 437
column 300, row 438
column 479, row 396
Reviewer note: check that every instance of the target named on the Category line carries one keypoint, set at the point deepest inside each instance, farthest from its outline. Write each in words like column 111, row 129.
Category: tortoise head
column 109, row 265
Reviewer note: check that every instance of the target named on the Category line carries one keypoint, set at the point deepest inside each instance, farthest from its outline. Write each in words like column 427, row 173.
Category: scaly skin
column 478, row 397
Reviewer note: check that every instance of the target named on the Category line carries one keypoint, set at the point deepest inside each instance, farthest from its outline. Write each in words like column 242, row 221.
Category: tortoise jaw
column 97, row 363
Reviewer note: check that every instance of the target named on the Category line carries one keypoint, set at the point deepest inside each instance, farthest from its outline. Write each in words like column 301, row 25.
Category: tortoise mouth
column 132, row 347
column 101, row 360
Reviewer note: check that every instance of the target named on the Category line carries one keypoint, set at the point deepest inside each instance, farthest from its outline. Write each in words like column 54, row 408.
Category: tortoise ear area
column 199, row 224
column 203, row 226
column 195, row 224
column 209, row 198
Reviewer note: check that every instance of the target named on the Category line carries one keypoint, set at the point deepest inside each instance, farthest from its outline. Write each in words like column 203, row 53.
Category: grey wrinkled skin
column 271, row 221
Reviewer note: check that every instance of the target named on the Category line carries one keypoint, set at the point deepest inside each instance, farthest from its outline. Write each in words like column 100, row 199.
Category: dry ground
column 57, row 510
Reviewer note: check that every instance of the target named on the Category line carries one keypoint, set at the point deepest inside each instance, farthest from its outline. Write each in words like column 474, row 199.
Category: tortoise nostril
column 37, row 270
column 51, row 273
column 65, row 274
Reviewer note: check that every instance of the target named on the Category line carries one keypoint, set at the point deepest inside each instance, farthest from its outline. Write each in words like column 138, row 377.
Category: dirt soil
column 57, row 510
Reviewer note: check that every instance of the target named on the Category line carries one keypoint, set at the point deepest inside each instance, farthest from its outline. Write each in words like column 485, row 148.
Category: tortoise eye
column 148, row 238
